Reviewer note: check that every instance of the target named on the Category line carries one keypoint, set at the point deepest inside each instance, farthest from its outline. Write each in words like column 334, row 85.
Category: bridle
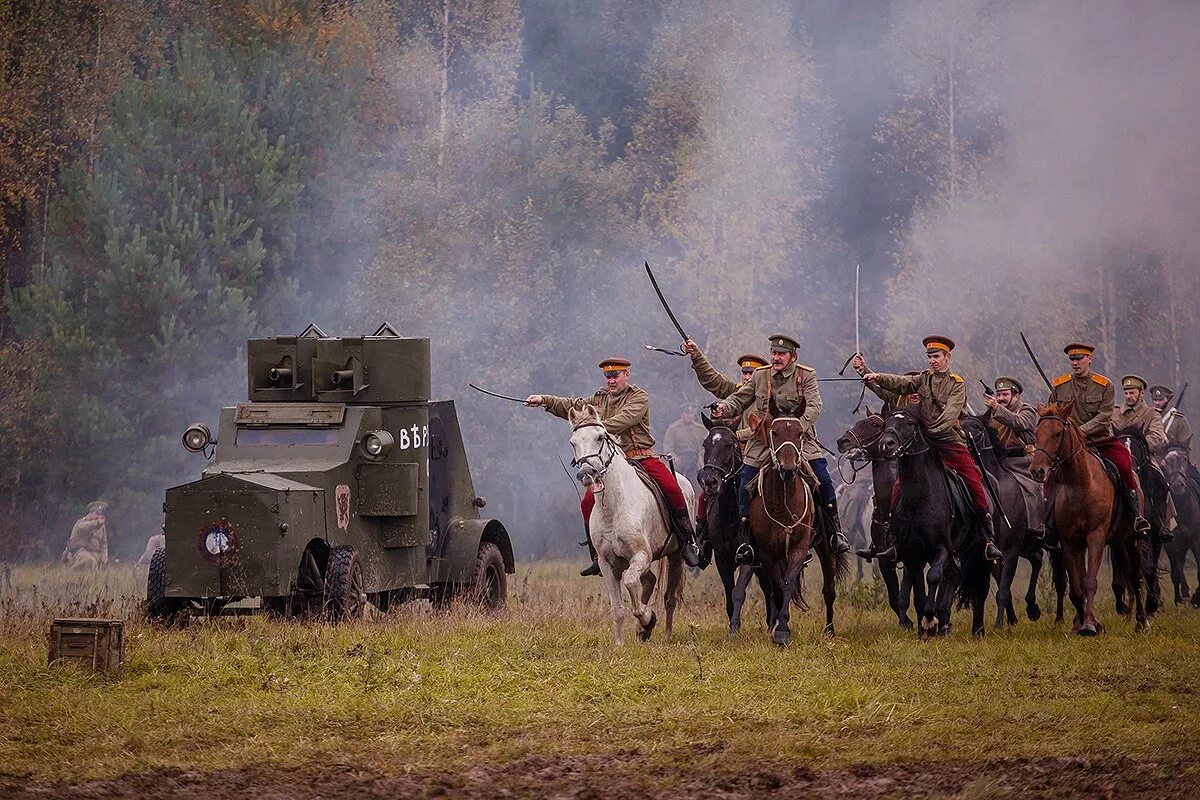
column 1057, row 459
column 734, row 468
column 861, row 445
column 905, row 447
column 599, row 456
column 797, row 520
column 777, row 449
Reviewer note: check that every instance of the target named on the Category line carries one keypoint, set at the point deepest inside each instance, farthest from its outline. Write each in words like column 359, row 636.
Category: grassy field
column 418, row 692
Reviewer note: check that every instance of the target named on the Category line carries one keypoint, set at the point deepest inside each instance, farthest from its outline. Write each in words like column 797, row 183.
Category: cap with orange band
column 614, row 366
column 935, row 344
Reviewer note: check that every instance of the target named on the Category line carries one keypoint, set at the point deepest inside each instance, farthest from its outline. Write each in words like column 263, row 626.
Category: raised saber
column 654, row 349
column 857, row 338
column 663, row 300
column 1033, row 358
column 520, row 400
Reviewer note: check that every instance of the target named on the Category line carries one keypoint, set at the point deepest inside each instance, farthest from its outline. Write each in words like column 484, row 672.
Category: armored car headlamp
column 375, row 445
column 196, row 438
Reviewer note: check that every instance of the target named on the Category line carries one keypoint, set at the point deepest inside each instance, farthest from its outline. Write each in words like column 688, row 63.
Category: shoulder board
column 1179, row 414
column 1100, row 379
column 760, row 369
column 1061, row 379
column 806, row 366
column 957, row 378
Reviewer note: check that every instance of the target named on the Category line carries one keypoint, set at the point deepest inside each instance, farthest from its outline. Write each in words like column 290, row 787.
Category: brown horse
column 782, row 522
column 1087, row 513
column 1186, row 492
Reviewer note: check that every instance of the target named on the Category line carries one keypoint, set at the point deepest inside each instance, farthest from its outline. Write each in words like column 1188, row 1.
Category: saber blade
column 1033, row 358
column 857, row 343
column 520, row 400
column 663, row 300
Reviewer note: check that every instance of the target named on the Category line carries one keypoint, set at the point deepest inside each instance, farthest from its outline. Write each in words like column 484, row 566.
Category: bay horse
column 628, row 528
column 1015, row 531
column 934, row 527
column 1158, row 499
column 861, row 443
column 782, row 522
column 719, row 479
column 1087, row 513
column 1186, row 493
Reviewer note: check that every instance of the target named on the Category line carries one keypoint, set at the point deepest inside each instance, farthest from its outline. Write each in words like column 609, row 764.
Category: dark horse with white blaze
column 719, row 480
column 1087, row 513
column 1158, row 499
column 782, row 516
column 1185, row 491
column 1016, row 534
column 861, row 443
column 935, row 527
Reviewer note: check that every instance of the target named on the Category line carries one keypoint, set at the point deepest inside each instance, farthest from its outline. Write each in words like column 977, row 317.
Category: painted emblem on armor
column 218, row 540
column 341, row 496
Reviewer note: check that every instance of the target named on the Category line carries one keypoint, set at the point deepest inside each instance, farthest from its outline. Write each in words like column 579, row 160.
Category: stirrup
column 590, row 570
column 887, row 555
column 866, row 553
column 744, row 556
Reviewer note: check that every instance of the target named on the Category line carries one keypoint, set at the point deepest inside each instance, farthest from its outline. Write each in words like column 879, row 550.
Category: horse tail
column 841, row 566
column 974, row 580
column 672, row 569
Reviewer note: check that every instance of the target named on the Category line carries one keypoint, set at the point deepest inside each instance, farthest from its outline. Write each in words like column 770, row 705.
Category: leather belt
column 637, row 453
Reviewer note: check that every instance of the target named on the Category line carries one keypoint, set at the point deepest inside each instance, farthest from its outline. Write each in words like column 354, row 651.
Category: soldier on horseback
column 624, row 408
column 1135, row 414
column 720, row 386
column 943, row 398
column 1175, row 425
column 792, row 389
column 1090, row 397
column 1013, row 420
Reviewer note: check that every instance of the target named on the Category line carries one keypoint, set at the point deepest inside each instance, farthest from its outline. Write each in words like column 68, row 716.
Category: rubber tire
column 345, row 596
column 489, row 584
column 158, row 607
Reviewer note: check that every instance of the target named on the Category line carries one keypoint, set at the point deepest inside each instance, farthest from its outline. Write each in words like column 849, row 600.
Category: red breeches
column 957, row 458
column 1116, row 451
column 661, row 475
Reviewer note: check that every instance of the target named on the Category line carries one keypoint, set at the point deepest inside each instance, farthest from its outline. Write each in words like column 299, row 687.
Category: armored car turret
column 338, row 484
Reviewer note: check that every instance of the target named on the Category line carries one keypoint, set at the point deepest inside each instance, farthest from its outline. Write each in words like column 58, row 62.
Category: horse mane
column 1176, row 447
column 993, row 436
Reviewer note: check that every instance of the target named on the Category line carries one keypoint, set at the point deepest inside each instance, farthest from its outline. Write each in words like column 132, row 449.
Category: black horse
column 936, row 527
column 1015, row 532
column 1157, row 493
column 719, row 480
column 1185, row 491
column 861, row 443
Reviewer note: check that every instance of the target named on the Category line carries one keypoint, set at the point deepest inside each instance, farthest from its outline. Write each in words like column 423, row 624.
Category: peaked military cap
column 1158, row 392
column 1079, row 349
column 1134, row 382
column 1012, row 384
column 614, row 365
column 750, row 361
column 937, row 343
column 782, row 343
column 97, row 505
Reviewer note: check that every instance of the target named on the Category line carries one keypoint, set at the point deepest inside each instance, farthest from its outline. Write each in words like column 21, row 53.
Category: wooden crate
column 95, row 644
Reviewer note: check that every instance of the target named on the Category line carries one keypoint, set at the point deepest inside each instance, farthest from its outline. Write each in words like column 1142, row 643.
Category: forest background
column 176, row 177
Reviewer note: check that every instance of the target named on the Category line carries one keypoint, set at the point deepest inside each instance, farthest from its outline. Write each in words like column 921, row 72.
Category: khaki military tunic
column 794, row 391
column 1145, row 419
column 721, row 387
column 943, row 397
column 626, row 415
column 685, row 441
column 1015, row 427
column 1177, row 429
column 1092, row 396
column 88, row 546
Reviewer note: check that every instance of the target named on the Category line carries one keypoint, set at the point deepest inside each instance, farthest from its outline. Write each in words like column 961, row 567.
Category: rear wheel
column 489, row 585
column 345, row 594
column 158, row 605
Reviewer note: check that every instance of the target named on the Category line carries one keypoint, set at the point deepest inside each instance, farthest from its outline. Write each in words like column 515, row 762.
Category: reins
column 605, row 463
column 1057, row 459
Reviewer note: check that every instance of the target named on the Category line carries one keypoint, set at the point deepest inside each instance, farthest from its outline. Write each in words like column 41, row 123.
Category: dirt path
column 618, row 776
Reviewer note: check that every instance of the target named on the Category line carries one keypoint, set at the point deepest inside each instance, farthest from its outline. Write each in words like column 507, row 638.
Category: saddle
column 664, row 510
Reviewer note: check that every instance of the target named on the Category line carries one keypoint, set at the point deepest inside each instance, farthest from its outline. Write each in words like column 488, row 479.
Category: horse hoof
column 781, row 637
column 1033, row 611
column 1142, row 626
column 1088, row 630
column 978, row 633
column 829, row 631
column 645, row 630
column 1196, row 601
column 906, row 623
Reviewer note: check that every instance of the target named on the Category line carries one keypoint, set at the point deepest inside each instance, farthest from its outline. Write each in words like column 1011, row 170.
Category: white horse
column 627, row 528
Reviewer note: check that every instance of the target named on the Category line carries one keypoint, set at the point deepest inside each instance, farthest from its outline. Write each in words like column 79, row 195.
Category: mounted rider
column 624, row 408
column 943, row 399
column 1136, row 414
column 1175, row 424
column 893, row 401
column 881, row 512
column 792, row 388
column 720, row 387
column 1015, row 424
column 1090, row 397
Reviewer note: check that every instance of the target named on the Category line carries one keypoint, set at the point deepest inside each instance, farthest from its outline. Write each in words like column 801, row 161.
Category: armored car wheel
column 489, row 586
column 158, row 606
column 345, row 594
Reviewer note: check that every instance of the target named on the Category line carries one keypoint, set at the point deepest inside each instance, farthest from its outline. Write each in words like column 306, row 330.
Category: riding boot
column 681, row 521
column 1141, row 525
column 594, row 567
column 744, row 556
column 990, row 551
column 1050, row 537
column 706, row 548
column 837, row 539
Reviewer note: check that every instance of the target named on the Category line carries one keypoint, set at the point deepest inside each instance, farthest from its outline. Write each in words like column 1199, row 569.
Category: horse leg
column 905, row 600
column 648, row 581
column 1141, row 607
column 1094, row 554
column 891, row 581
column 1032, row 610
column 916, row 576
column 726, row 570
column 1004, row 607
column 1120, row 590
column 1196, row 558
column 616, row 597
column 1149, row 572
column 1176, row 567
column 828, row 585
column 1058, row 572
column 671, row 596
column 1073, row 564
column 788, row 573
column 738, row 594
column 934, row 577
column 632, row 580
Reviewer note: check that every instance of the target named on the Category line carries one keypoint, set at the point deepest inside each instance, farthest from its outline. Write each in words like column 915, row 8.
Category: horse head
column 978, row 430
column 722, row 458
column 784, row 438
column 1139, row 448
column 1177, row 467
column 1058, row 440
column 903, row 430
column 594, row 448
column 862, row 440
